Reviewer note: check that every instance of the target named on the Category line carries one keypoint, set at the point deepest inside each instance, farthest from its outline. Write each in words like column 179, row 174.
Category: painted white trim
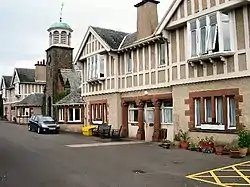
column 80, row 115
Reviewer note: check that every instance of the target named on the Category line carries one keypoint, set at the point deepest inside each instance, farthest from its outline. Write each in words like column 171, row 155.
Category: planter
column 177, row 143
column 166, row 145
column 205, row 145
column 219, row 150
column 184, row 145
column 243, row 151
column 235, row 154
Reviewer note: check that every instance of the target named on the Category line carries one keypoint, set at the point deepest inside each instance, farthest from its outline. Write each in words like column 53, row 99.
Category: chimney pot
column 43, row 61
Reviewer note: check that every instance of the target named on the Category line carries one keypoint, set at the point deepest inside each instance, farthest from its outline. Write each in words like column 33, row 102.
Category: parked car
column 42, row 124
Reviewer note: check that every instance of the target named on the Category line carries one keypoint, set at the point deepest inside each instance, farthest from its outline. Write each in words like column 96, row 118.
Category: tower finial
column 61, row 11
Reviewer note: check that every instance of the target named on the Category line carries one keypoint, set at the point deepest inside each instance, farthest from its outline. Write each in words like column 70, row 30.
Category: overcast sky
column 24, row 25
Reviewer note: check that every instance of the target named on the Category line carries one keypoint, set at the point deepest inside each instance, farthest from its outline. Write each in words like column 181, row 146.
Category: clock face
column 49, row 59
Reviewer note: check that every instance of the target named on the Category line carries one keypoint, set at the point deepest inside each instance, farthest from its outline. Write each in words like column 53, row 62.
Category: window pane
column 77, row 114
column 219, row 110
column 71, row 114
column 232, row 112
column 226, row 31
column 136, row 115
column 149, row 116
column 162, row 53
column 129, row 63
column 92, row 67
column 102, row 57
column 208, row 110
column 167, row 116
column 203, row 33
column 197, row 112
column 193, row 43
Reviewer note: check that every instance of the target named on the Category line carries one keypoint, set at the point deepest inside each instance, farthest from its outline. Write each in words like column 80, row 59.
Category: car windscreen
column 46, row 119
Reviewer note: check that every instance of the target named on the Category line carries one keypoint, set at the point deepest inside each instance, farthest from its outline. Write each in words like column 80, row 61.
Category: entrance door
column 149, row 121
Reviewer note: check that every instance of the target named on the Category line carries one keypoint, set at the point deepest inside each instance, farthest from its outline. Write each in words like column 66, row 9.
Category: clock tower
column 59, row 56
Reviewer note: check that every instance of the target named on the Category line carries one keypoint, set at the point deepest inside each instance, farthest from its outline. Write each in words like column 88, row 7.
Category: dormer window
column 210, row 34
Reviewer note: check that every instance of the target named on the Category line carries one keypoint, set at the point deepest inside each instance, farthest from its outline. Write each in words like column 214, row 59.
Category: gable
column 92, row 45
column 16, row 78
column 182, row 11
column 88, row 37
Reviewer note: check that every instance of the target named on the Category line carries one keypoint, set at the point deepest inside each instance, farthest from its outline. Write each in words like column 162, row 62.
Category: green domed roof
column 60, row 25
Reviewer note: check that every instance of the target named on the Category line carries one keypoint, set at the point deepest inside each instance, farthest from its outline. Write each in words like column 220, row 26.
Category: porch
column 144, row 117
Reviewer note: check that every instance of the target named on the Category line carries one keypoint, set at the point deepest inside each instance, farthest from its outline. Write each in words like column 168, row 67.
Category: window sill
column 233, row 131
column 166, row 123
column 162, row 66
column 133, row 123
column 129, row 73
column 211, row 57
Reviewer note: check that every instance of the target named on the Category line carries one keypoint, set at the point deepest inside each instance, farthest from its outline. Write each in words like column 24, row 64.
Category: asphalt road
column 34, row 160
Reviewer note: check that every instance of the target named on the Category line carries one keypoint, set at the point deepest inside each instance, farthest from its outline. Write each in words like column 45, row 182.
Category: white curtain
column 232, row 112
column 219, row 117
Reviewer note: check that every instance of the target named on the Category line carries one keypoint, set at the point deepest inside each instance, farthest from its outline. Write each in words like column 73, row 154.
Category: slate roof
column 73, row 77
column 71, row 99
column 35, row 99
column 111, row 37
column 7, row 80
column 129, row 40
column 26, row 75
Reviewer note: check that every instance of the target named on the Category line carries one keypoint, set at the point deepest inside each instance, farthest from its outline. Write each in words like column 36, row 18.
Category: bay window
column 132, row 114
column 208, row 110
column 95, row 66
column 210, row 34
column 74, row 115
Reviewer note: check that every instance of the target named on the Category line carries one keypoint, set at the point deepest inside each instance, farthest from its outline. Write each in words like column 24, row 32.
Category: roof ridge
column 97, row 27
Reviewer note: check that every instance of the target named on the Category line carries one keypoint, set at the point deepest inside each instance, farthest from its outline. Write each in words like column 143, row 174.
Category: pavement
column 71, row 160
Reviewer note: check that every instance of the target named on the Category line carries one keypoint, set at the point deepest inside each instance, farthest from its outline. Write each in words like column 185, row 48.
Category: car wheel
column 29, row 127
column 57, row 132
column 39, row 130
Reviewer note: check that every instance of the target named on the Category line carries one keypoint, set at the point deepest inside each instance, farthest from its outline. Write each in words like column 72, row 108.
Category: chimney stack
column 40, row 71
column 147, row 18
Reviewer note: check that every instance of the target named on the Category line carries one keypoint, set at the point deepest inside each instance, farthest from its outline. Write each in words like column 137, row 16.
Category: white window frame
column 219, row 31
column 228, row 115
column 195, row 113
column 61, row 115
column 96, row 66
column 163, row 109
column 131, row 108
column 4, row 93
column 74, row 120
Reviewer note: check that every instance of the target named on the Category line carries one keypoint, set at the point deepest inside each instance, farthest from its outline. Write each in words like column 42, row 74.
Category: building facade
column 19, row 86
column 209, row 65
column 125, row 75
